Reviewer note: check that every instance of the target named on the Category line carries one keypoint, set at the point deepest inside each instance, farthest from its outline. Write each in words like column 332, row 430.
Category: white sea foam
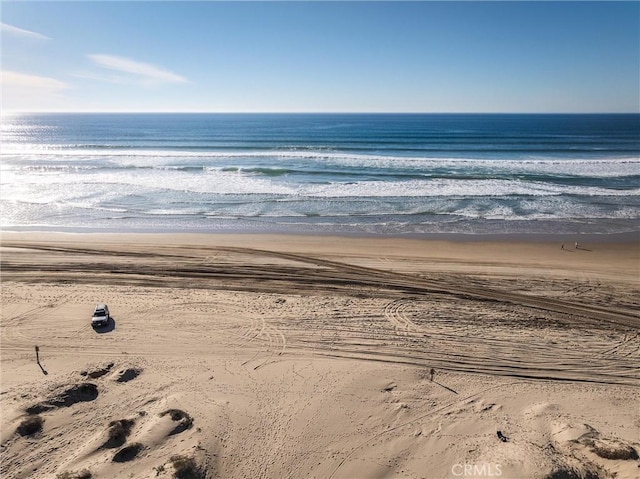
column 18, row 155
column 47, row 187
column 457, row 188
column 120, row 172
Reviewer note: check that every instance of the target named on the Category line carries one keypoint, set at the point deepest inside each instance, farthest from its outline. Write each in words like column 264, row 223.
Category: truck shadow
column 111, row 325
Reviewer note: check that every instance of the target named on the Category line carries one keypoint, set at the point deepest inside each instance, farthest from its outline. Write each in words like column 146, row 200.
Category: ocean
column 380, row 174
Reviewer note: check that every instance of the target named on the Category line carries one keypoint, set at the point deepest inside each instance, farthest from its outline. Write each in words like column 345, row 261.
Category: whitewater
column 357, row 174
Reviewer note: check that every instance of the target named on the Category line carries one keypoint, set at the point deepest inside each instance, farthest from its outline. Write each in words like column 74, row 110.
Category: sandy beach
column 284, row 356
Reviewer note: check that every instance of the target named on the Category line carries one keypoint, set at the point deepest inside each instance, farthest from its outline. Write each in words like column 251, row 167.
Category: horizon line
column 319, row 112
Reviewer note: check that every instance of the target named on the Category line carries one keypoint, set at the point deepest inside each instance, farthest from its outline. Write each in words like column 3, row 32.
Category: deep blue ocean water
column 381, row 174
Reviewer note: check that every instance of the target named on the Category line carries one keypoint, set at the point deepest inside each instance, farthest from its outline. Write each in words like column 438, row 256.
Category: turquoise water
column 342, row 173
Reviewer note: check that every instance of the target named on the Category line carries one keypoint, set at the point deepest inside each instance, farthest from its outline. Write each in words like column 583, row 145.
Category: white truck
column 100, row 316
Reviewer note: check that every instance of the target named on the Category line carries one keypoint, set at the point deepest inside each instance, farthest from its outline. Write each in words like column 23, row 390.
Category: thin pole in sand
column 38, row 361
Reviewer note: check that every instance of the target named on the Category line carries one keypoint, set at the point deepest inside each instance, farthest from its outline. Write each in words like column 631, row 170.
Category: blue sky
column 321, row 56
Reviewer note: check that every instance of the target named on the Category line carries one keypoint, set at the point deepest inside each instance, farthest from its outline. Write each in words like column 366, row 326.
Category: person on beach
column 432, row 373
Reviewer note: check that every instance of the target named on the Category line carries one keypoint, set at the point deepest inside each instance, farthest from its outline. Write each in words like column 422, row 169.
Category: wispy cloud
column 137, row 72
column 22, row 32
column 23, row 91
column 13, row 79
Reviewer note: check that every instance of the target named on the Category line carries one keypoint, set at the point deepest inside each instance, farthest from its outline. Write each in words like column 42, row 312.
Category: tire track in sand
column 253, row 270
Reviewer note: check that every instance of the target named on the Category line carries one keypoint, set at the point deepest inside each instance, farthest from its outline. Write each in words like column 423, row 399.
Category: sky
column 421, row 56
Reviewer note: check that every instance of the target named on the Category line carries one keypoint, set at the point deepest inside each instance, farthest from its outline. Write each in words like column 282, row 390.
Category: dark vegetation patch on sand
column 570, row 473
column 186, row 467
column 128, row 453
column 97, row 372
column 610, row 449
column 128, row 374
column 118, row 432
column 77, row 393
column 84, row 474
column 184, row 420
column 30, row 426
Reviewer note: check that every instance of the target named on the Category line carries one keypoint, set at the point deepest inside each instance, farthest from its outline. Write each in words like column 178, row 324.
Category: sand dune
column 269, row 356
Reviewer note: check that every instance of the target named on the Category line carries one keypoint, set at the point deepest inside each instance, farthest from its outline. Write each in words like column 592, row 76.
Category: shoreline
column 617, row 238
